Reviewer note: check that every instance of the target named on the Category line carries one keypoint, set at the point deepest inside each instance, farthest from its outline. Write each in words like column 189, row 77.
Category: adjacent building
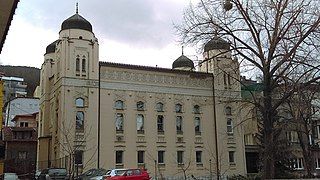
column 110, row 115
column 13, row 87
column 21, row 145
column 19, row 106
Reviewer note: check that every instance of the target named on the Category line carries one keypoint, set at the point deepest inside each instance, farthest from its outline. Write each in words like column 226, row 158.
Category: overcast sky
column 129, row 31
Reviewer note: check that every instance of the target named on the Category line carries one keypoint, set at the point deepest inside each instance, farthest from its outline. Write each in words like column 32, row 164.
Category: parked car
column 10, row 176
column 91, row 173
column 37, row 174
column 100, row 177
column 127, row 174
column 53, row 173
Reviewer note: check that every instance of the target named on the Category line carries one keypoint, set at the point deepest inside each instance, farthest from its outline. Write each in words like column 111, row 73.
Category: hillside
column 31, row 76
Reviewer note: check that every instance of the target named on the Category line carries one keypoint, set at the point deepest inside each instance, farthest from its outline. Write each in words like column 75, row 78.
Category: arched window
column 80, row 121
column 119, row 104
column 140, row 123
column 83, row 64
column 178, row 108
column 196, row 109
column 159, row 107
column 140, row 106
column 228, row 111
column 79, row 102
column 229, row 126
column 77, row 63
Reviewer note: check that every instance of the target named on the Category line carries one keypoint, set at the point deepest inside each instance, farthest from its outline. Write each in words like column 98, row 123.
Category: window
column 77, row 63
column 22, row 155
column 159, row 107
column 297, row 164
column 83, row 64
column 119, row 122
column 119, row 105
column 179, row 123
column 228, row 111
column 140, row 106
column 78, row 157
column 140, row 157
column 161, row 157
column 160, row 123
column 119, row 157
column 140, row 122
column 292, row 136
column 198, row 157
column 196, row 109
column 231, row 157
column 79, row 102
column 317, row 163
column 180, row 157
column 80, row 121
column 197, row 125
column 178, row 108
column 229, row 126
column 24, row 124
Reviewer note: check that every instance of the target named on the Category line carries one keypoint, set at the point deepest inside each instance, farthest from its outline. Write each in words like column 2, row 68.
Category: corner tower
column 225, row 68
column 69, row 96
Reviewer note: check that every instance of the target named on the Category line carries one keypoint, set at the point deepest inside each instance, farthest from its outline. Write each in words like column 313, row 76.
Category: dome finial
column 77, row 7
column 182, row 49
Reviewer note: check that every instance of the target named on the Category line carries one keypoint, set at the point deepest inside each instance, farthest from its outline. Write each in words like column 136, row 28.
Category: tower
column 69, row 79
column 225, row 68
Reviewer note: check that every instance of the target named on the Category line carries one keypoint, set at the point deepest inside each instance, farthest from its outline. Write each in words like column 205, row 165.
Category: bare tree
column 72, row 141
column 271, row 39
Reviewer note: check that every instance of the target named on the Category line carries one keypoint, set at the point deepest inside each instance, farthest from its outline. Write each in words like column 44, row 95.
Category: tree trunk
column 269, row 142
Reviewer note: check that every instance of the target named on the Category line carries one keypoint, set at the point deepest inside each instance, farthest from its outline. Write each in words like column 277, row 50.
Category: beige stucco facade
column 137, row 132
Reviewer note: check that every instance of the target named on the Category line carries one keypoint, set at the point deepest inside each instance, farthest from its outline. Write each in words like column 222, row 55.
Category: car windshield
column 57, row 171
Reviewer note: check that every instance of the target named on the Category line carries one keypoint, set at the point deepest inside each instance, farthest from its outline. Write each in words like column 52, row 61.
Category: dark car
column 53, row 173
column 91, row 173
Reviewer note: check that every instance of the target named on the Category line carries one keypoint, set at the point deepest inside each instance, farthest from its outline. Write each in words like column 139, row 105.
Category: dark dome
column 183, row 61
column 51, row 48
column 76, row 22
column 216, row 43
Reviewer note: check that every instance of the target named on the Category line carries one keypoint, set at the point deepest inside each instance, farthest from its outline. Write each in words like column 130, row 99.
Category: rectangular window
column 198, row 157
column 22, row 155
column 140, row 123
column 140, row 157
column 119, row 157
column 24, row 124
column 179, row 124
column 180, row 157
column 119, row 122
column 231, row 157
column 160, row 123
column 317, row 163
column 80, row 121
column 161, row 157
column 297, row 164
column 78, row 157
column 229, row 126
column 292, row 136
column 197, row 125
